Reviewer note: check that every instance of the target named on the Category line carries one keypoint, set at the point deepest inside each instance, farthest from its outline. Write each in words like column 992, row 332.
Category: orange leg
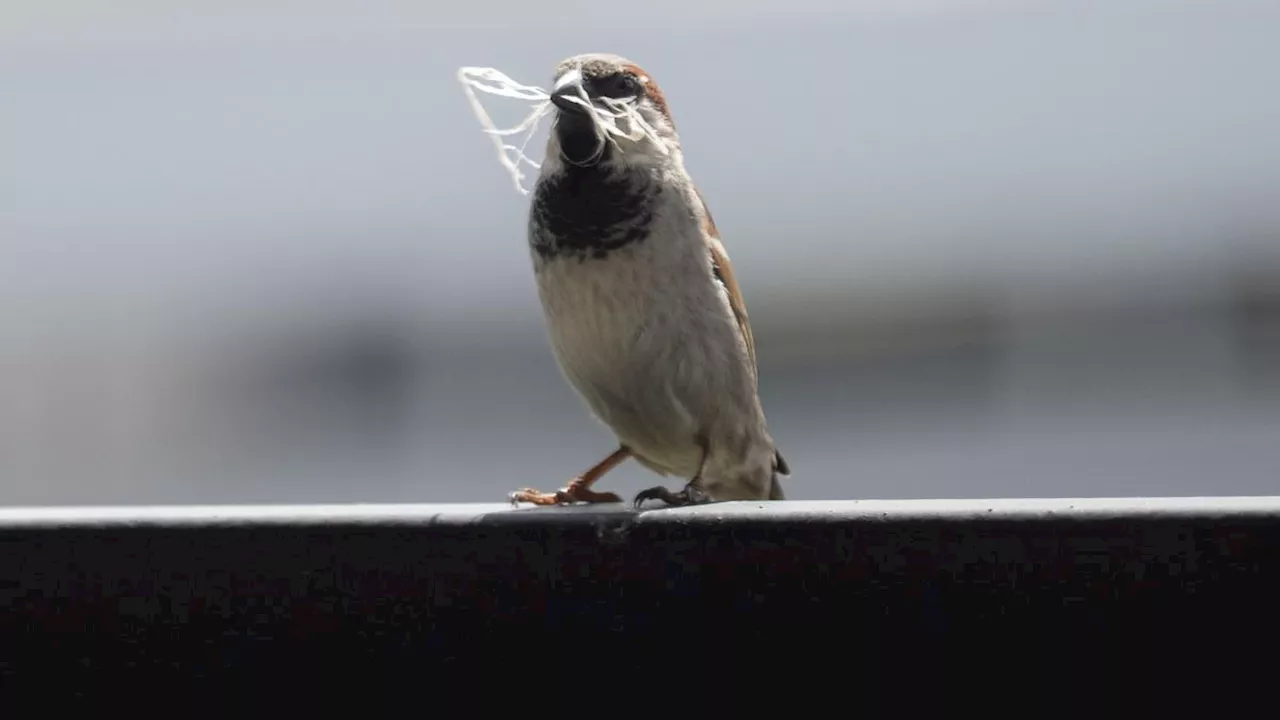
column 578, row 489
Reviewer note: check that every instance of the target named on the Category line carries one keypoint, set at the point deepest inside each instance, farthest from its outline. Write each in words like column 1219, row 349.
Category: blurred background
column 262, row 251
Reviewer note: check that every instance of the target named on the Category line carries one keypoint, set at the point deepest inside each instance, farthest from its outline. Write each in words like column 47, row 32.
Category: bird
column 645, row 315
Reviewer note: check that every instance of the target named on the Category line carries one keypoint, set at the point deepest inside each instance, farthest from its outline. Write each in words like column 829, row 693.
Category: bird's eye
column 623, row 85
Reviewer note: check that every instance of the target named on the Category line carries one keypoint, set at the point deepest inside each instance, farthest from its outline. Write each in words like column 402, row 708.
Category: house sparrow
column 644, row 314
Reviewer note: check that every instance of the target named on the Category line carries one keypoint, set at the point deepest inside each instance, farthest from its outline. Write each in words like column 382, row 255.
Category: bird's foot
column 575, row 492
column 692, row 494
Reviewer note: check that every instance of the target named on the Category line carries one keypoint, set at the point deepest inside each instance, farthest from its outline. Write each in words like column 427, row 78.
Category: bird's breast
column 624, row 335
column 637, row 320
column 607, row 314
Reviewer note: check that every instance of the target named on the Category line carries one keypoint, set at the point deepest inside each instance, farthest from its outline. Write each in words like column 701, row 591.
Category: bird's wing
column 723, row 269
column 724, row 273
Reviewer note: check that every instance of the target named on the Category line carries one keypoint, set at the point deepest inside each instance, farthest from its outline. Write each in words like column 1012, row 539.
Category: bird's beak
column 568, row 86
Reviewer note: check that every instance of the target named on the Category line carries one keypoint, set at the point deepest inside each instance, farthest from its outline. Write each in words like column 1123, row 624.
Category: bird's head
column 643, row 133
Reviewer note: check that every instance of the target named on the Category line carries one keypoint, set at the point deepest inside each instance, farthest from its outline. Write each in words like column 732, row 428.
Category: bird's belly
column 623, row 346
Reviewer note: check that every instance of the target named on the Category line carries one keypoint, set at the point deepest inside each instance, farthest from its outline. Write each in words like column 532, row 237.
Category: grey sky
column 906, row 146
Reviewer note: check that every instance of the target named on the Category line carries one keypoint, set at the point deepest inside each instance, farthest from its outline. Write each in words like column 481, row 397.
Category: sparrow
column 645, row 317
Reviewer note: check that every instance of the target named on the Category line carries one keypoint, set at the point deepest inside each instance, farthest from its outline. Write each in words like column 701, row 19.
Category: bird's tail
column 780, row 467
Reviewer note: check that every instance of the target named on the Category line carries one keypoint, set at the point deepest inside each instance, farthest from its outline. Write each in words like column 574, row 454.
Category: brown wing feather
column 724, row 272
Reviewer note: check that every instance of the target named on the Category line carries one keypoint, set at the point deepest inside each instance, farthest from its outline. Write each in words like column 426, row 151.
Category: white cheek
column 571, row 77
column 645, row 145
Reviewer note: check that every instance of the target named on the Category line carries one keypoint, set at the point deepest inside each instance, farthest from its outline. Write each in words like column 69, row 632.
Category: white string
column 475, row 78
column 494, row 82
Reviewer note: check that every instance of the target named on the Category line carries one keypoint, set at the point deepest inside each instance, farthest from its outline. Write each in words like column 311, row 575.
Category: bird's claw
column 690, row 495
column 574, row 492
column 529, row 495
column 656, row 493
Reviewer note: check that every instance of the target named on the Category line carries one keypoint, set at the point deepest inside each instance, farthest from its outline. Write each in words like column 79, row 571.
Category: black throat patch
column 590, row 212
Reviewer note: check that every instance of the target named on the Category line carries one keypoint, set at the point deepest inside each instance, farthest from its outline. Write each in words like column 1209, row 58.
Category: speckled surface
column 402, row 601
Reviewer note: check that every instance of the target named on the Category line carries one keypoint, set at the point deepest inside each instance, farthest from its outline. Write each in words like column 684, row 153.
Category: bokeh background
column 261, row 251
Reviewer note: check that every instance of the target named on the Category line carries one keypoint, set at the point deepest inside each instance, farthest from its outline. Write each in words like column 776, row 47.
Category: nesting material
column 614, row 118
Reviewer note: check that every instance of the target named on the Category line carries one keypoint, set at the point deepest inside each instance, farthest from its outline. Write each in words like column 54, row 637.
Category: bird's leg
column 579, row 488
column 692, row 494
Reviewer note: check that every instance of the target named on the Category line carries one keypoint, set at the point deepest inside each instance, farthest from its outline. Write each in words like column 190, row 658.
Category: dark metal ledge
column 1134, row 594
